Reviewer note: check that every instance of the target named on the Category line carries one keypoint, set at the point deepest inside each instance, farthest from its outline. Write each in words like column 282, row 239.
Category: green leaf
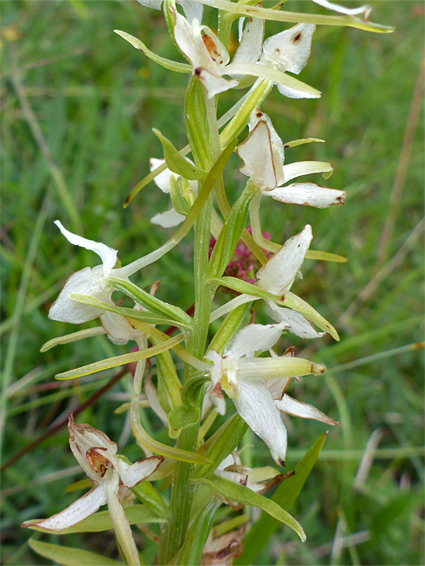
column 302, row 141
column 147, row 494
column 70, row 556
column 150, row 302
column 230, row 233
column 197, row 126
column 204, row 506
column 116, row 361
column 183, row 417
column 246, row 288
column 101, row 521
column 166, row 63
column 289, row 300
column 228, row 328
column 244, row 495
column 176, row 162
column 221, row 443
column 275, row 76
column 284, row 496
column 297, row 304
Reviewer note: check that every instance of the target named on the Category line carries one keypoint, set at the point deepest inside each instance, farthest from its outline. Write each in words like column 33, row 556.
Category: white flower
column 94, row 282
column 97, row 456
column 171, row 217
column 287, row 51
column 257, row 385
column 277, row 277
column 263, row 156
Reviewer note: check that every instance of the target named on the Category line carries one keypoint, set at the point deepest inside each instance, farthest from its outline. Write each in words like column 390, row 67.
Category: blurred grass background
column 78, row 107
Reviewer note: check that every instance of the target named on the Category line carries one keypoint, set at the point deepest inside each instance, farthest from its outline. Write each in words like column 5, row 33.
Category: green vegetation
column 79, row 105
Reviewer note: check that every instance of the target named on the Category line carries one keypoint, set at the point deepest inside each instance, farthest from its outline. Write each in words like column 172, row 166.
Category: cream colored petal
column 168, row 219
column 280, row 271
column 162, row 180
column 251, row 40
column 307, row 194
column 117, row 327
column 290, row 49
column 299, row 168
column 257, row 154
column 294, row 321
column 304, row 410
column 253, row 338
column 258, row 410
column 213, row 83
column 106, row 254
column 84, row 437
column 137, row 472
column 74, row 513
column 88, row 282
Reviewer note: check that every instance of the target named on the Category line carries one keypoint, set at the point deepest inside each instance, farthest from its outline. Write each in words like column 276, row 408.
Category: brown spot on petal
column 97, row 460
column 281, row 462
column 198, row 71
column 297, row 37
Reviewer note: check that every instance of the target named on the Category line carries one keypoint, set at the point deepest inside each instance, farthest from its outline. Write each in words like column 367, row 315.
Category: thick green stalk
column 182, row 490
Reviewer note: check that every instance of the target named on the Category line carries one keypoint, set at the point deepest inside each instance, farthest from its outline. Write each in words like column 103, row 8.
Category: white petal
column 294, row 321
column 213, row 83
column 290, row 49
column 168, row 219
column 307, row 194
column 188, row 37
column 154, row 4
column 251, row 39
column 253, row 338
column 137, row 472
column 258, row 410
column 216, row 50
column 192, row 9
column 280, row 271
column 277, row 143
column 297, row 409
column 300, row 168
column 163, row 179
column 276, row 387
column 74, row 513
column 342, row 10
column 84, row 437
column 257, row 154
column 106, row 254
column 117, row 327
column 88, row 282
column 291, row 92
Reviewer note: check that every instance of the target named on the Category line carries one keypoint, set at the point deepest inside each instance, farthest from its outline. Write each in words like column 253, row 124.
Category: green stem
column 182, row 490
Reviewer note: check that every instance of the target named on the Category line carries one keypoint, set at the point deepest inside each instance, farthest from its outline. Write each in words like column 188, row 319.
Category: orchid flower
column 97, row 456
column 257, row 385
column 277, row 277
column 256, row 479
column 263, row 156
column 286, row 51
column 94, row 282
column 165, row 181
